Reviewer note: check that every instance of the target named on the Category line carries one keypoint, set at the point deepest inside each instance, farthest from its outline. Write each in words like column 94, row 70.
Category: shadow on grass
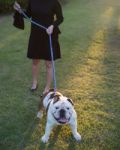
column 72, row 145
column 54, row 139
column 28, row 134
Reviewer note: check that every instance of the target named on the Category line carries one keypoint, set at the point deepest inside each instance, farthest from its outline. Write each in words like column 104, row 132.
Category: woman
column 49, row 14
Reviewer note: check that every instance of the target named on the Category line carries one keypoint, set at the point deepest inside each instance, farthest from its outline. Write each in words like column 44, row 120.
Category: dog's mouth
column 62, row 120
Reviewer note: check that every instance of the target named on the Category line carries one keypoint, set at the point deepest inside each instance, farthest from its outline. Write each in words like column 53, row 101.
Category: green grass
column 89, row 73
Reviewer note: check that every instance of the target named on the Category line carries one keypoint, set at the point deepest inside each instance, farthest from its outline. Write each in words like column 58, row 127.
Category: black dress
column 46, row 13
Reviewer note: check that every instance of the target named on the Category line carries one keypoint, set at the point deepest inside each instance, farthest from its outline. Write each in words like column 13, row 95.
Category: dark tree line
column 7, row 5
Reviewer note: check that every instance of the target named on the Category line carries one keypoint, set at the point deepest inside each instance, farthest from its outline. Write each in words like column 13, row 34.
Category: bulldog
column 60, row 110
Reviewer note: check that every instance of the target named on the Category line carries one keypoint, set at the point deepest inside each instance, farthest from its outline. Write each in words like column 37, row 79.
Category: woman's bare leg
column 35, row 70
column 49, row 75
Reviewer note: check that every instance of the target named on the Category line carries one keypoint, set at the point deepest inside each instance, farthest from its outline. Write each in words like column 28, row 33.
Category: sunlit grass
column 119, row 23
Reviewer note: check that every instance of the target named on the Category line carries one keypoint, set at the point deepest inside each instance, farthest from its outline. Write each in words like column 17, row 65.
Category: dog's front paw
column 77, row 136
column 39, row 115
column 44, row 139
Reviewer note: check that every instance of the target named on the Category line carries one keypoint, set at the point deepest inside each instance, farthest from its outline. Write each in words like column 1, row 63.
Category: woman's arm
column 59, row 17
column 58, row 13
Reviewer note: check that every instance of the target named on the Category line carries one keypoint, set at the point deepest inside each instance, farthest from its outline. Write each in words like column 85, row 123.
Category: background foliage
column 7, row 5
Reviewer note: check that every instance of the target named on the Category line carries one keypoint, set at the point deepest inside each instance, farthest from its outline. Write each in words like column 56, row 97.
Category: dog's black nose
column 62, row 113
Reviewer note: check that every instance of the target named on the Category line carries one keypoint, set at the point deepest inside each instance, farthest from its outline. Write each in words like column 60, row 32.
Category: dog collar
column 48, row 106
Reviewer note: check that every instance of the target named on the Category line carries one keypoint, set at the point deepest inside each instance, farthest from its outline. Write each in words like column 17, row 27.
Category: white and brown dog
column 60, row 111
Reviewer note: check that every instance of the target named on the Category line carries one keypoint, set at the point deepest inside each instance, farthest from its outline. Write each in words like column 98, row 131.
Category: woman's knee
column 36, row 61
column 48, row 64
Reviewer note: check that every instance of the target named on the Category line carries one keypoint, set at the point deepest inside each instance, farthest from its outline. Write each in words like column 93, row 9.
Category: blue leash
column 51, row 47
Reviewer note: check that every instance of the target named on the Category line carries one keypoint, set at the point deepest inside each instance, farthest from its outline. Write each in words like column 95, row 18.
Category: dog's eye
column 68, row 108
column 56, row 107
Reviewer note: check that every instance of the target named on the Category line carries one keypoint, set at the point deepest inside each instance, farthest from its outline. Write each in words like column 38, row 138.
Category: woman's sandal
column 34, row 88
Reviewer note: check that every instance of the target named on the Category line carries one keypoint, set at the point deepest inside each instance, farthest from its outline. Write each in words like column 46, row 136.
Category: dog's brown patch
column 53, row 95
column 41, row 107
column 56, row 98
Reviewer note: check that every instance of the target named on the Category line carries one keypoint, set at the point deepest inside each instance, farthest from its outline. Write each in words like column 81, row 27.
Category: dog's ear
column 70, row 100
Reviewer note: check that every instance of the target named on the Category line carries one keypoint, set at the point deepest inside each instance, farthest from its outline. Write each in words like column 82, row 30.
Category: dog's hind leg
column 40, row 108
column 40, row 114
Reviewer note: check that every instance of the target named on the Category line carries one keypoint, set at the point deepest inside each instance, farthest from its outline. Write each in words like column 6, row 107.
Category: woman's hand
column 17, row 7
column 50, row 30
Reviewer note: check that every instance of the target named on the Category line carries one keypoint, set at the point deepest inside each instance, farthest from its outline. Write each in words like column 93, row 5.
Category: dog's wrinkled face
column 62, row 109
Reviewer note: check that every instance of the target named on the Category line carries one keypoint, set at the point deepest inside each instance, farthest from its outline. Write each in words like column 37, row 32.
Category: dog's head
column 62, row 109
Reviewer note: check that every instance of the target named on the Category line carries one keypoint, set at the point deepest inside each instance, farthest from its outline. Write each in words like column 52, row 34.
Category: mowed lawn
column 89, row 73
